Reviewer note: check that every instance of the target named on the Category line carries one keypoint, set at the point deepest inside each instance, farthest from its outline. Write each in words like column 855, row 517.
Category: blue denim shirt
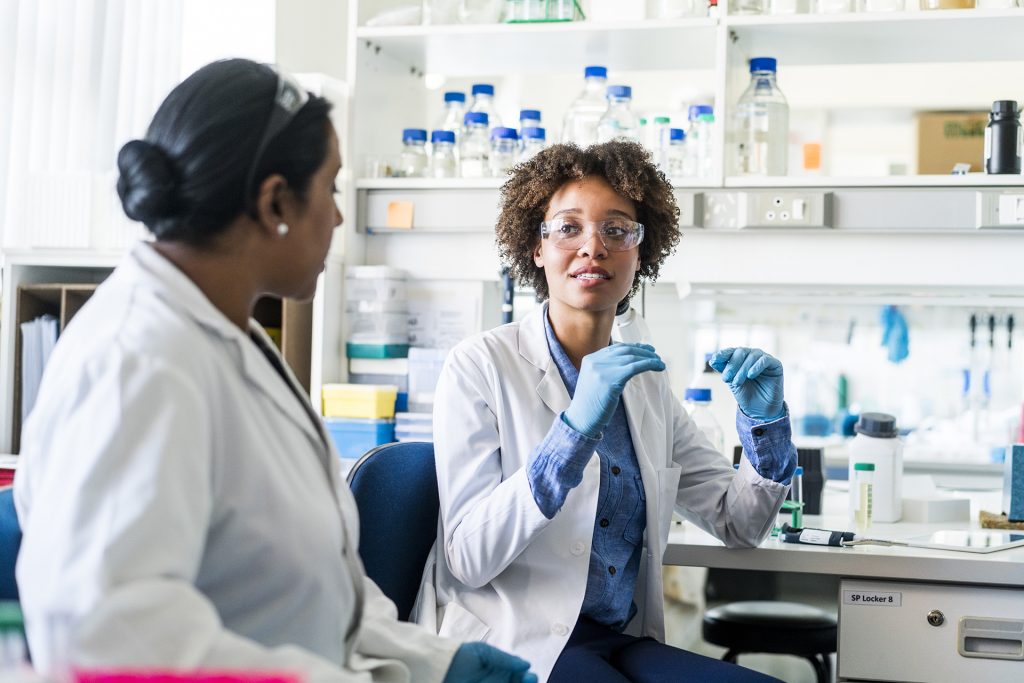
column 557, row 468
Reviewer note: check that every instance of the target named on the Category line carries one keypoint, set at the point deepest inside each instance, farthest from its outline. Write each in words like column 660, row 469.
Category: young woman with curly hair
column 561, row 456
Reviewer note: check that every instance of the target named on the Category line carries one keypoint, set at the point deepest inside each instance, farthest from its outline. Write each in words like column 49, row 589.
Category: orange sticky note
column 400, row 215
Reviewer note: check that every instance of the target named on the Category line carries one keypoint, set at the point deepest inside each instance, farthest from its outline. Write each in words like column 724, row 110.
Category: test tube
column 796, row 494
column 861, row 494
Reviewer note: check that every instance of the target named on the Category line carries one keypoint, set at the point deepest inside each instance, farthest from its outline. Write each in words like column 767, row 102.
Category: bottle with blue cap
column 475, row 146
column 762, row 123
column 618, row 121
column 413, row 160
column 676, row 154
column 483, row 101
column 698, row 140
column 698, row 405
column 504, row 151
column 583, row 115
column 529, row 118
column 454, row 113
column 443, row 163
column 534, row 140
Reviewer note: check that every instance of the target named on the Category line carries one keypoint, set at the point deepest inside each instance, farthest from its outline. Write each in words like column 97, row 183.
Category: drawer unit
column 930, row 633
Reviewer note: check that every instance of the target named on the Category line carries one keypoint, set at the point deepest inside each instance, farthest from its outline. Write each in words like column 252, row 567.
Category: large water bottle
column 698, row 140
column 413, row 162
column 580, row 125
column 618, row 121
column 504, row 151
column 698, row 405
column 762, row 123
column 483, row 101
column 454, row 113
column 475, row 147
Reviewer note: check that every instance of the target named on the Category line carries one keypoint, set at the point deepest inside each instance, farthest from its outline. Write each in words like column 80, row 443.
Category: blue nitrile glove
column 755, row 379
column 603, row 376
column 895, row 336
column 481, row 663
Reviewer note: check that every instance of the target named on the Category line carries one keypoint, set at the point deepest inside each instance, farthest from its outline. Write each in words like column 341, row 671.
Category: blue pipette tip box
column 1013, row 483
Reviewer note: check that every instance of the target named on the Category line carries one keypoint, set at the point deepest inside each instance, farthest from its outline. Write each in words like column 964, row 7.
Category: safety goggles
column 289, row 98
column 616, row 234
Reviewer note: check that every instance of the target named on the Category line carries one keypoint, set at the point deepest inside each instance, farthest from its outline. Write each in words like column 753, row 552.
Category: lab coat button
column 578, row 548
column 559, row 629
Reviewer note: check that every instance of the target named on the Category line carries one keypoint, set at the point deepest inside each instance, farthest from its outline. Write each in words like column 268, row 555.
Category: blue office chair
column 10, row 542
column 395, row 488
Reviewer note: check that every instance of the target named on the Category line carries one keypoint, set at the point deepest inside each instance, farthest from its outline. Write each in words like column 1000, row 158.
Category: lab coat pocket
column 461, row 624
column 668, row 489
column 634, row 531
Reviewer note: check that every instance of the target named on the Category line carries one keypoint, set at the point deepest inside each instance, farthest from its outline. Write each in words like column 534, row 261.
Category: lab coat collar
column 179, row 292
column 533, row 346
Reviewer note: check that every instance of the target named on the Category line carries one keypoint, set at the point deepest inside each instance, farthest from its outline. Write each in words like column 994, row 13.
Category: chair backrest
column 395, row 487
column 10, row 542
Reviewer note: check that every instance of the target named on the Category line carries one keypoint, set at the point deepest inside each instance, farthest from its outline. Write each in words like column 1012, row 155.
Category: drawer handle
column 991, row 638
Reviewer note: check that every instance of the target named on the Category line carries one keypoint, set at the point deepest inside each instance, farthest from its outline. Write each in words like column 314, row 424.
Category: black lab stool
column 784, row 628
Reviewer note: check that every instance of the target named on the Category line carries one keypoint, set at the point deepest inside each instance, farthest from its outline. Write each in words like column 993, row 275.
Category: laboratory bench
column 905, row 613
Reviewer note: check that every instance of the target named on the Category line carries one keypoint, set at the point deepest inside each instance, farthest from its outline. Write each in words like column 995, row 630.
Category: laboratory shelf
column 882, row 38
column 532, row 48
column 478, row 184
column 970, row 180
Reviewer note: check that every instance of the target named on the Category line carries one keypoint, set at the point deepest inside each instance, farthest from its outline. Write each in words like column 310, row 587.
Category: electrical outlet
column 999, row 210
column 784, row 209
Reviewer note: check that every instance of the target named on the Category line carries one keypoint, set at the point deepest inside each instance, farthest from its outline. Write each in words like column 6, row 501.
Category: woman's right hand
column 603, row 376
column 481, row 663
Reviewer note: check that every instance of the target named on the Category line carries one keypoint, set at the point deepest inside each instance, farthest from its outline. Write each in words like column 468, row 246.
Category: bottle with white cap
column 877, row 442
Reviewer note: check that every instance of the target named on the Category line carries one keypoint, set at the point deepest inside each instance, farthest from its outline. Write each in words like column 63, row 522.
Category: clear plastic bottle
column 659, row 141
column 534, row 141
column 699, row 138
column 504, row 151
column 861, row 496
column 475, row 146
column 618, row 122
column 698, row 405
column 762, row 123
column 443, row 163
column 413, row 160
column 483, row 100
column 585, row 112
column 529, row 118
column 675, row 155
column 748, row 7
column 454, row 113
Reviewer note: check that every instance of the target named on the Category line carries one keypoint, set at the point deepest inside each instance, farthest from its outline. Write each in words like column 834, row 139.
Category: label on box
column 872, row 598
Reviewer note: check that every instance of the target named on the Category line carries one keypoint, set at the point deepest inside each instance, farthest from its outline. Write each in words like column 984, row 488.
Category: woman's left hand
column 755, row 379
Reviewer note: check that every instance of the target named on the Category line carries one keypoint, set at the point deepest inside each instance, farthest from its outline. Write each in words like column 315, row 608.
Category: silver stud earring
column 282, row 229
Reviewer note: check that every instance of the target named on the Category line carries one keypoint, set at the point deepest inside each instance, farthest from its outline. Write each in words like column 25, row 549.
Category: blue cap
column 533, row 133
column 595, row 72
column 416, row 134
column 799, row 471
column 693, row 394
column 504, row 133
column 475, row 117
column 442, row 136
column 529, row 114
column 697, row 109
column 454, row 96
column 762, row 64
column 620, row 91
column 483, row 89
column 676, row 134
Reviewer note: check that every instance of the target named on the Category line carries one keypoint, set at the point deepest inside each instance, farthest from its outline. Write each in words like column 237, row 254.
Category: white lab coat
column 182, row 506
column 506, row 574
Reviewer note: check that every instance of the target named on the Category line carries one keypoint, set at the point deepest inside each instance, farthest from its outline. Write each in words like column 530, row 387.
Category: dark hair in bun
column 186, row 179
column 148, row 183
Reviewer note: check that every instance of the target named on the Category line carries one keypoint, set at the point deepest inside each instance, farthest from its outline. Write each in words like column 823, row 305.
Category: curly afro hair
column 626, row 166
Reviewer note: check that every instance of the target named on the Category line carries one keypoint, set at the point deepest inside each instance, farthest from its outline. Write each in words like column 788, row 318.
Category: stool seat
column 763, row 626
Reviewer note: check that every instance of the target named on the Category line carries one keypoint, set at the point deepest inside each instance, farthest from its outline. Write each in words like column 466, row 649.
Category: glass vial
column 442, row 154
column 796, row 494
column 413, row 162
column 861, row 494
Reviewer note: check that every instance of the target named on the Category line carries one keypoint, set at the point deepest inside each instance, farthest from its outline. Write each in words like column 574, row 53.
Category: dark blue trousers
column 597, row 654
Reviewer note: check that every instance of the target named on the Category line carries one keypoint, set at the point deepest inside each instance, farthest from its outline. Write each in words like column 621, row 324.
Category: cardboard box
column 948, row 138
